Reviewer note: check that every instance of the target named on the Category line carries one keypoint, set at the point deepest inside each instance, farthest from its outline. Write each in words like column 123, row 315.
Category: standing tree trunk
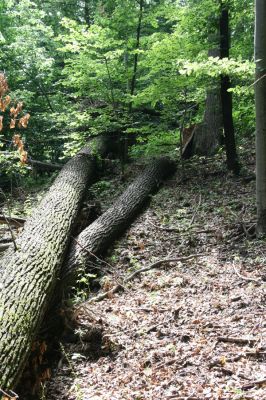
column 29, row 274
column 260, row 100
column 87, row 12
column 226, row 96
column 102, row 232
column 207, row 136
column 135, row 66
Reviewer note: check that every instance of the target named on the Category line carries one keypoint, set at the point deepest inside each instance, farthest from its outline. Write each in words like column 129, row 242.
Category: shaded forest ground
column 185, row 330
column 192, row 330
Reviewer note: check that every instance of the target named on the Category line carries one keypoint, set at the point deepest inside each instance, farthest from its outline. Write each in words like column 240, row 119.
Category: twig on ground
column 205, row 231
column 139, row 271
column 250, row 385
column 256, row 354
column 160, row 262
column 94, row 255
column 4, row 246
column 196, row 211
column 164, row 228
column 238, row 340
column 103, row 296
column 11, row 232
column 17, row 221
column 220, row 361
column 246, row 278
column 247, row 231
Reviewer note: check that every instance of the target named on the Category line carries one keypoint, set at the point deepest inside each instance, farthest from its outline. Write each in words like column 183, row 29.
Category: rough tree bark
column 29, row 274
column 97, row 236
column 260, row 99
column 226, row 96
column 207, row 135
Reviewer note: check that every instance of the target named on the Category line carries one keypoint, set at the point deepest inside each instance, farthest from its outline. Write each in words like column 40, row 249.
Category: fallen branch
column 250, row 385
column 11, row 232
column 246, row 278
column 4, row 246
column 91, row 254
column 196, row 211
column 237, row 340
column 12, row 220
column 156, row 264
column 160, row 262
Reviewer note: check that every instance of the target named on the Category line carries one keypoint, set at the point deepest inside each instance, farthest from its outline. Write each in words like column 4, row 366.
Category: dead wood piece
column 246, row 278
column 195, row 212
column 250, row 385
column 135, row 273
column 220, row 360
column 237, row 340
column 16, row 221
column 4, row 246
column 165, row 228
column 11, row 232
column 30, row 273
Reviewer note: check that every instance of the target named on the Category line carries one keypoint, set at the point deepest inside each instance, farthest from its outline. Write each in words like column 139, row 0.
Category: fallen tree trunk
column 29, row 274
column 103, row 231
column 42, row 166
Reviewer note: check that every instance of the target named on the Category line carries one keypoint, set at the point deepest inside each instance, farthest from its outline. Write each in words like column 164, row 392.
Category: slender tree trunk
column 260, row 100
column 110, row 82
column 226, row 96
column 206, row 138
column 135, row 66
column 87, row 15
column 103, row 231
column 29, row 274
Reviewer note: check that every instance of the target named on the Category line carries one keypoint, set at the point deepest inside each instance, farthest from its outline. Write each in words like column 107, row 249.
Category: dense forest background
column 140, row 69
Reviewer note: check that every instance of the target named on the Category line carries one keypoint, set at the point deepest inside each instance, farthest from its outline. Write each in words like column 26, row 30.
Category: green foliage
column 82, row 286
column 73, row 63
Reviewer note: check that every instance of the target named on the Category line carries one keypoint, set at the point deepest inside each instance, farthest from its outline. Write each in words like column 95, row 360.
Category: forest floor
column 190, row 329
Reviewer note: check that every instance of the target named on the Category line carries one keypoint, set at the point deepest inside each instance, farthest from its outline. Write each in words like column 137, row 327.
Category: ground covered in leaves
column 193, row 328
column 189, row 329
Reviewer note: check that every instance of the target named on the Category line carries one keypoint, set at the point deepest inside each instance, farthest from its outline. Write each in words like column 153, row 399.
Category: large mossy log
column 29, row 273
column 104, row 230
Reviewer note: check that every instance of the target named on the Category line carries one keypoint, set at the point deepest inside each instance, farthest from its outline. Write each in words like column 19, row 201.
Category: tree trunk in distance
column 260, row 101
column 104, row 230
column 29, row 274
column 41, row 166
column 207, row 135
column 226, row 96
